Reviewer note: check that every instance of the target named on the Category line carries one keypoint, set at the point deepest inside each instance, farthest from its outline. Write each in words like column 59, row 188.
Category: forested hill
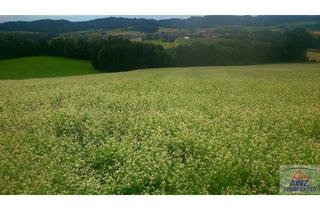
column 62, row 26
column 150, row 25
column 247, row 20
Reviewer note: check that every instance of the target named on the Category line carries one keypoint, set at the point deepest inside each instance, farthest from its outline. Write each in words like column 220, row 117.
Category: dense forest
column 63, row 26
column 116, row 54
column 149, row 25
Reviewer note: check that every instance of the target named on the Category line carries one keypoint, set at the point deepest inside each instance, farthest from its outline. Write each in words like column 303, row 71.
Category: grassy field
column 166, row 45
column 206, row 130
column 43, row 66
column 204, row 40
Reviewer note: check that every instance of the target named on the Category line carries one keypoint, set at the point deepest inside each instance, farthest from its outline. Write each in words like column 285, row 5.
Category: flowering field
column 205, row 130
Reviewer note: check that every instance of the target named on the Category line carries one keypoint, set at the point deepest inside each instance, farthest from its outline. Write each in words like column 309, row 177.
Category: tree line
column 115, row 54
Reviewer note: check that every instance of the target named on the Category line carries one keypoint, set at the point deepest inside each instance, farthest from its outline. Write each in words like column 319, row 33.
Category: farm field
column 201, row 130
column 43, row 66
column 165, row 45
column 203, row 40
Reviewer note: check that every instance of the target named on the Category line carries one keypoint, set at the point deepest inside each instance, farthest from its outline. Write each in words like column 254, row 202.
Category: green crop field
column 166, row 45
column 204, row 130
column 43, row 66
column 203, row 40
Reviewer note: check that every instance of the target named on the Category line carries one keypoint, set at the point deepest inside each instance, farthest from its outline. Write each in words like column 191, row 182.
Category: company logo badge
column 299, row 179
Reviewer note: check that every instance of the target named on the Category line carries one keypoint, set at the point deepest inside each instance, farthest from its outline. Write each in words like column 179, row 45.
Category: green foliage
column 292, row 45
column 78, row 48
column 251, row 48
column 17, row 44
column 43, row 66
column 221, row 53
column 114, row 54
column 117, row 54
column 208, row 130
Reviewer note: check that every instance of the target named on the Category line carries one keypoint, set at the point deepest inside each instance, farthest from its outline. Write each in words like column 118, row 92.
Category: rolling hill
column 150, row 25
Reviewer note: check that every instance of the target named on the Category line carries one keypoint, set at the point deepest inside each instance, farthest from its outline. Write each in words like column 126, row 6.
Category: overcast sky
column 5, row 18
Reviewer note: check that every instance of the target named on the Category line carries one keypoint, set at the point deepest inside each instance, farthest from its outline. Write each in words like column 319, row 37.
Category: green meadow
column 201, row 130
column 164, row 44
column 43, row 66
